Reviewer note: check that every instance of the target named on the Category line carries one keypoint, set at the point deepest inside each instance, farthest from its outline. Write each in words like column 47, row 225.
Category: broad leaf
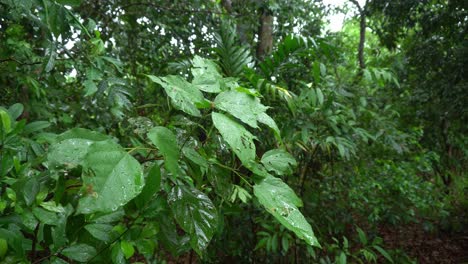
column 281, row 201
column 196, row 215
column 112, row 177
column 166, row 142
column 239, row 139
column 90, row 87
column 279, row 161
column 127, row 249
column 205, row 75
column 152, row 186
column 15, row 111
column 243, row 106
column 72, row 146
column 183, row 94
column 265, row 119
column 5, row 121
column 35, row 126
column 102, row 232
column 79, row 252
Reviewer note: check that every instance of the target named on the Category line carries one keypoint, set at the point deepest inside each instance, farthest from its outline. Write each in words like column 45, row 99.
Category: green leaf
column 241, row 105
column 384, row 253
column 105, row 218
column 279, row 161
column 112, row 178
column 166, row 142
column 127, row 249
column 196, row 215
column 72, row 146
column 14, row 238
column 6, row 121
column 15, row 110
column 30, row 190
column 3, row 248
column 341, row 258
column 90, row 87
column 52, row 54
column 152, row 186
column 102, row 232
column 196, row 158
column 35, row 126
column 281, row 201
column 362, row 236
column 319, row 96
column 117, row 255
column 205, row 75
column 46, row 217
column 239, row 139
column 264, row 118
column 183, row 94
column 79, row 252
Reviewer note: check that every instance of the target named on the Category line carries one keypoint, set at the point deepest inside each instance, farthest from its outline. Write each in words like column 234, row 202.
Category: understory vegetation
column 233, row 131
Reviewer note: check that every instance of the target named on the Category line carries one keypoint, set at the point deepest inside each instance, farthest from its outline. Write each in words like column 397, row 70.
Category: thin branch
column 356, row 3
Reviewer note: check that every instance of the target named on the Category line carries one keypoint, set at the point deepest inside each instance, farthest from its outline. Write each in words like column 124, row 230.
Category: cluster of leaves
column 84, row 170
column 149, row 153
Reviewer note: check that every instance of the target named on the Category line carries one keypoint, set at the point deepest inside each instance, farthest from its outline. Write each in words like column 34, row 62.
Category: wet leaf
column 71, row 146
column 205, row 75
column 152, row 186
column 166, row 142
column 196, row 215
column 245, row 107
column 239, row 139
column 281, row 201
column 107, row 171
column 79, row 252
column 183, row 94
column 265, row 119
column 101, row 232
column 279, row 161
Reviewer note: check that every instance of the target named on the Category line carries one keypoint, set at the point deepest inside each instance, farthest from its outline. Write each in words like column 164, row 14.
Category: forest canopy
column 233, row 131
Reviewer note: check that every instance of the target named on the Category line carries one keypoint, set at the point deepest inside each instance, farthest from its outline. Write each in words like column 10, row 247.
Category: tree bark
column 265, row 34
column 362, row 35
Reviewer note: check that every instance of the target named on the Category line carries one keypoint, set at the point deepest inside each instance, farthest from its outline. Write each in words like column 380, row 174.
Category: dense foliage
column 229, row 131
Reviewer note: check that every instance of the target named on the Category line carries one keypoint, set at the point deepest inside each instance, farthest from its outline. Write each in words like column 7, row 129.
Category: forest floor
column 426, row 247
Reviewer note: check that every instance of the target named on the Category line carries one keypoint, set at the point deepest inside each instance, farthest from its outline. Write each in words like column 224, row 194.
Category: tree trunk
column 265, row 34
column 362, row 35
column 362, row 40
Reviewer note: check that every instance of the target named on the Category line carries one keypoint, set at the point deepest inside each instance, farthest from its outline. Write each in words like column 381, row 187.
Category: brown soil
column 425, row 247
